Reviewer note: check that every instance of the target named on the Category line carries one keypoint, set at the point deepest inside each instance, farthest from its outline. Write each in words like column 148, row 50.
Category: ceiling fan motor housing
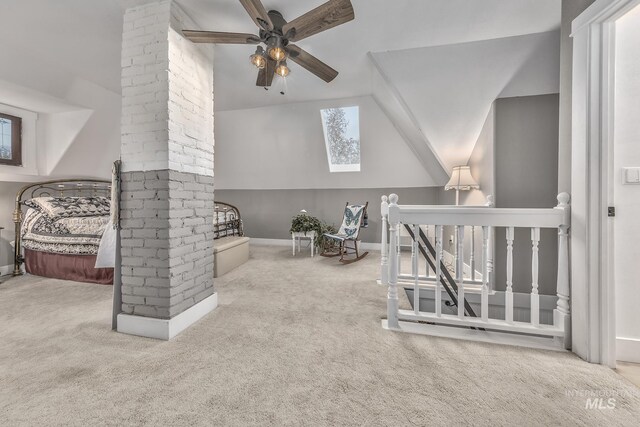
column 271, row 37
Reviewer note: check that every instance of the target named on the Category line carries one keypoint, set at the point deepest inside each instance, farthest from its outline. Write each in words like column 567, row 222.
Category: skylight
column 341, row 128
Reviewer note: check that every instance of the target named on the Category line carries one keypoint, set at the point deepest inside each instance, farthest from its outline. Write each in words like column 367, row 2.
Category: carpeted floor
column 295, row 341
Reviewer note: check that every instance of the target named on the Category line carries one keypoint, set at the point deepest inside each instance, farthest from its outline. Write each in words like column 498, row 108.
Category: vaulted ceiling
column 82, row 38
column 379, row 26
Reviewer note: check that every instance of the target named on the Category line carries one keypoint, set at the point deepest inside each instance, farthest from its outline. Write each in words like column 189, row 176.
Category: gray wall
column 8, row 192
column 570, row 10
column 526, row 148
column 267, row 213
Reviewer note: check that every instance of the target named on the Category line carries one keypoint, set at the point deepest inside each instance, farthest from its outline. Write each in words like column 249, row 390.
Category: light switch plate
column 631, row 175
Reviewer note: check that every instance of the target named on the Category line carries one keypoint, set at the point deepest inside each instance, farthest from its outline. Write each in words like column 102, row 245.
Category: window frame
column 16, row 141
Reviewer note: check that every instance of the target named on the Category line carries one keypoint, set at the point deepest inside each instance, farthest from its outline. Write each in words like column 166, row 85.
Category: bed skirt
column 79, row 268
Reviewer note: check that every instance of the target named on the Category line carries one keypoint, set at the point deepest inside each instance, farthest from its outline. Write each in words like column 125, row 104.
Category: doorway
column 625, row 183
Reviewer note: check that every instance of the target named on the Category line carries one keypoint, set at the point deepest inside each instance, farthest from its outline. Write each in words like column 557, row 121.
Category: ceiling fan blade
column 265, row 75
column 219, row 37
column 322, row 18
column 311, row 63
column 258, row 13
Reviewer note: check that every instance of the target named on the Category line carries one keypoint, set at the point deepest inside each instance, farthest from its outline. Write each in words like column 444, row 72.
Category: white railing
column 395, row 216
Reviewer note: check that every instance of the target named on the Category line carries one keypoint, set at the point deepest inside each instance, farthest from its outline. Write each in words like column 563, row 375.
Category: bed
column 226, row 221
column 58, row 229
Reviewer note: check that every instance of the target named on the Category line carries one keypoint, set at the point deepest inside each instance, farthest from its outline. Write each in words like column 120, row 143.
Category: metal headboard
column 232, row 223
column 56, row 188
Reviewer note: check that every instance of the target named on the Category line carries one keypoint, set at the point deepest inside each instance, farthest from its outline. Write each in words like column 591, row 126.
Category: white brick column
column 167, row 173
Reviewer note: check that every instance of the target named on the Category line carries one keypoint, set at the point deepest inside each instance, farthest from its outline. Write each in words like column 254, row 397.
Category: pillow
column 71, row 207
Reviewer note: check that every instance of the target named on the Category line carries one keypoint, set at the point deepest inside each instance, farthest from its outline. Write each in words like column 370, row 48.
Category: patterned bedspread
column 62, row 231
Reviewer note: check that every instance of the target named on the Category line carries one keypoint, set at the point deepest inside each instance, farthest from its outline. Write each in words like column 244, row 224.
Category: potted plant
column 304, row 223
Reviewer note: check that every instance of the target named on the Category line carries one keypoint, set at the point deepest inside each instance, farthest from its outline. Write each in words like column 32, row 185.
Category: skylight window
column 341, row 128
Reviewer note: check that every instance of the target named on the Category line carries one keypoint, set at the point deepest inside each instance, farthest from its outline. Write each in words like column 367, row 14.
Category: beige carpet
column 295, row 341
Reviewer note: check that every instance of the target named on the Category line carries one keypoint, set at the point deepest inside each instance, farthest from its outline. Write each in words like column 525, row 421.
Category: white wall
column 78, row 121
column 450, row 88
column 482, row 163
column 282, row 147
column 627, row 197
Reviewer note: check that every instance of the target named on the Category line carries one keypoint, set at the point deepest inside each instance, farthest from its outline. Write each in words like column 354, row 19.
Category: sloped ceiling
column 57, row 43
column 380, row 25
column 81, row 36
column 449, row 89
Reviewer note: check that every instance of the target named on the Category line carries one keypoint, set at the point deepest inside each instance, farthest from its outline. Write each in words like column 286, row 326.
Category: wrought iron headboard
column 231, row 224
column 55, row 188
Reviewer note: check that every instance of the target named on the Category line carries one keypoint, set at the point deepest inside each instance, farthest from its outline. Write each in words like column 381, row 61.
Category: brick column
column 167, row 178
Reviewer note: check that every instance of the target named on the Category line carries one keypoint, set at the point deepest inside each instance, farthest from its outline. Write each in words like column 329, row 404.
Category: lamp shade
column 461, row 179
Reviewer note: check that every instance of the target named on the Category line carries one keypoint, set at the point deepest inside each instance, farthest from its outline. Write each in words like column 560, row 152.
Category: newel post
column 562, row 314
column 384, row 247
column 392, row 294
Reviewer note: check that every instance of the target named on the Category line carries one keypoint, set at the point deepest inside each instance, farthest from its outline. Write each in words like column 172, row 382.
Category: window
column 10, row 140
column 341, row 128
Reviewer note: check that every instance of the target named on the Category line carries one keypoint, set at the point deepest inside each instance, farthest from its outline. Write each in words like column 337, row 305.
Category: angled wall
column 449, row 89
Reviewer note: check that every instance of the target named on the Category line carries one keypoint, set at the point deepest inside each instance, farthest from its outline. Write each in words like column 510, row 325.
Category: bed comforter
column 64, row 231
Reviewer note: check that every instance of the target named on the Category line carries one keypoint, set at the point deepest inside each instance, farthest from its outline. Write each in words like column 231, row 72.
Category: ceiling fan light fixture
column 276, row 50
column 277, row 53
column 259, row 59
column 282, row 70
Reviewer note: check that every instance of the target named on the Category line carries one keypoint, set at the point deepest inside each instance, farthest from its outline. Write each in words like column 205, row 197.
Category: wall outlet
column 631, row 175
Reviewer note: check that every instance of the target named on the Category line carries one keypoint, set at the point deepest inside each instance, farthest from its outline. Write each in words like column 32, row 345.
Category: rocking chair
column 355, row 217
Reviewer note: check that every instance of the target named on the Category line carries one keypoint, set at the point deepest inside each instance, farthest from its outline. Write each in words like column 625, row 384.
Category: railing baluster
column 472, row 257
column 398, row 243
column 484, row 302
column 535, row 298
column 562, row 314
column 438, row 232
column 490, row 257
column 384, row 249
column 460, row 271
column 426, row 262
column 414, row 267
column 392, row 294
column 455, row 249
column 508, row 295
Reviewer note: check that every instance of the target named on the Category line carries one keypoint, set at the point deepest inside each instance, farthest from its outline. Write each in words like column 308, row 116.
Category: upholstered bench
column 229, row 253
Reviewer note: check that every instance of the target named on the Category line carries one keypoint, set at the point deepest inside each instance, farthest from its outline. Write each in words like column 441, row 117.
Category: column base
column 165, row 329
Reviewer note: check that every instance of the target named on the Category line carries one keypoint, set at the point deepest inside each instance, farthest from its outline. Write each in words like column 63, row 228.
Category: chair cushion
column 351, row 221
column 335, row 237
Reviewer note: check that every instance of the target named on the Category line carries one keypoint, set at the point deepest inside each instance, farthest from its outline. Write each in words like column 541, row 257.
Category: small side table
column 299, row 235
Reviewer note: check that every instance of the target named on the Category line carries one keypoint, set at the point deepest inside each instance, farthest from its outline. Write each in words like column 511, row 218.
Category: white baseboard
column 491, row 337
column 165, row 329
column 6, row 270
column 628, row 350
column 270, row 242
column 287, row 242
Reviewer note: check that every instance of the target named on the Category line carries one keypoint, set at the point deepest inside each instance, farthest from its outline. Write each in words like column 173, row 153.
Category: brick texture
column 167, row 93
column 167, row 154
column 167, row 241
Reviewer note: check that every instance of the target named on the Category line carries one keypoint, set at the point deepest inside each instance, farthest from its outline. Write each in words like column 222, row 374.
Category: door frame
column 593, row 293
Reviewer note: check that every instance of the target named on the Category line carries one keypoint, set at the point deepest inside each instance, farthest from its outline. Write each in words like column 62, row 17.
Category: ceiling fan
column 277, row 34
